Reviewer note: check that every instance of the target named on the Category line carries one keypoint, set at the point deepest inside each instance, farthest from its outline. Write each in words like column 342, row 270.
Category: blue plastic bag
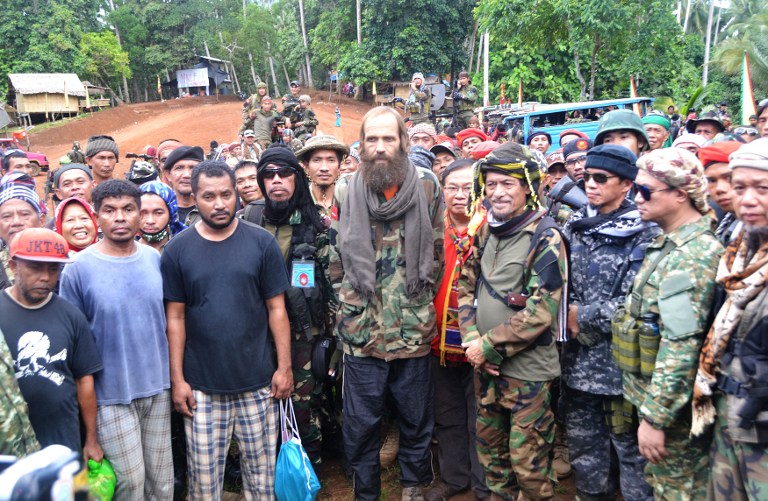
column 295, row 479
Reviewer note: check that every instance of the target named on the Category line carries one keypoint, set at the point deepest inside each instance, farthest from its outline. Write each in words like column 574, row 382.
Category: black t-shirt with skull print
column 52, row 347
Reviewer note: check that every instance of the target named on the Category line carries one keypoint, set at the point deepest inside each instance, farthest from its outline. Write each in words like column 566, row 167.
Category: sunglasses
column 283, row 172
column 646, row 192
column 745, row 130
column 598, row 178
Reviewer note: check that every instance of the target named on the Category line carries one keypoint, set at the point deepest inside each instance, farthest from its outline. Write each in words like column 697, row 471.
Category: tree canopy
column 562, row 50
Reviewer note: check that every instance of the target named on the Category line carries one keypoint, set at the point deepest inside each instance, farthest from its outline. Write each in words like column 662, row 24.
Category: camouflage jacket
column 512, row 344
column 290, row 104
column 389, row 325
column 680, row 291
column 305, row 115
column 6, row 275
column 605, row 257
column 17, row 438
column 469, row 94
column 418, row 104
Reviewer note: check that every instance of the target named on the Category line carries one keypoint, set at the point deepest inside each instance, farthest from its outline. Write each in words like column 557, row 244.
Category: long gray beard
column 380, row 178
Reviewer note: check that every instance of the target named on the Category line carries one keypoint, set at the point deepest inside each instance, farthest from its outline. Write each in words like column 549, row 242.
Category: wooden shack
column 47, row 95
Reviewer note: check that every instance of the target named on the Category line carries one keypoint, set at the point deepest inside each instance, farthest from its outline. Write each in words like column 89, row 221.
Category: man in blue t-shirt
column 224, row 281
column 117, row 284
column 54, row 355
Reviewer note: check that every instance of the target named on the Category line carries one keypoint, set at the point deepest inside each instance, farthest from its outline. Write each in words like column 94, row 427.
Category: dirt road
column 193, row 121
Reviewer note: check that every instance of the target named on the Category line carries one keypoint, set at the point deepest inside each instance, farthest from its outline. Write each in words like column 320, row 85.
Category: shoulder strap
column 254, row 211
column 636, row 296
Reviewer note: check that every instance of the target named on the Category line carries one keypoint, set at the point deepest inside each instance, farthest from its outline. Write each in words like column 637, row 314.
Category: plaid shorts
column 136, row 438
column 253, row 418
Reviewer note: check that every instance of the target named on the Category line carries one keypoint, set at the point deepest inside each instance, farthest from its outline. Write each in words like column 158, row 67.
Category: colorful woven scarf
column 743, row 280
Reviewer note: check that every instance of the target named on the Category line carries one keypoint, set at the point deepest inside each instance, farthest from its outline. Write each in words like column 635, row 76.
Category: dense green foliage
column 562, row 50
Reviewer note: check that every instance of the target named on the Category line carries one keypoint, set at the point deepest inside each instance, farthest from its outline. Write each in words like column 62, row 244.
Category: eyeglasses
column 283, row 172
column 598, row 178
column 646, row 192
column 456, row 189
column 745, row 130
column 573, row 161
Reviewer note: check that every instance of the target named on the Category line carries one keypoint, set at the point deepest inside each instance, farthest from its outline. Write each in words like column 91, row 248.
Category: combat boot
column 390, row 446
column 560, row 462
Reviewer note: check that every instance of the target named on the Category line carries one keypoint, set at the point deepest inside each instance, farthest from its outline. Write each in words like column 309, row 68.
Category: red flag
column 502, row 99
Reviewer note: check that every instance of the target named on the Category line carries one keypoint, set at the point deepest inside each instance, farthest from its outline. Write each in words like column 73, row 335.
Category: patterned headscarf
column 166, row 193
column 513, row 160
column 681, row 169
column 20, row 185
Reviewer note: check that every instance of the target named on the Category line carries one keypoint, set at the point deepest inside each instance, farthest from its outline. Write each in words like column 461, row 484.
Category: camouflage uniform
column 305, row 115
column 290, row 104
column 307, row 389
column 515, row 425
column 466, row 105
column 680, row 291
column 605, row 257
column 17, row 438
column 418, row 104
column 6, row 275
column 387, row 342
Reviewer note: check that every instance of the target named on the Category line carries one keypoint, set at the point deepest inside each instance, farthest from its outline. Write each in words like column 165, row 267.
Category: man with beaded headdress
column 511, row 312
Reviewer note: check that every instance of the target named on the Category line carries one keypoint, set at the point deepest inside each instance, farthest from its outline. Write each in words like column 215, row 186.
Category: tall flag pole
column 520, row 94
column 747, row 95
column 633, row 94
column 160, row 89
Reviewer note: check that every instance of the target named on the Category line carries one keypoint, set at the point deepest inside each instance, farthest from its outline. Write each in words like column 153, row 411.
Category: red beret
column 470, row 132
column 483, row 149
column 718, row 152
column 573, row 132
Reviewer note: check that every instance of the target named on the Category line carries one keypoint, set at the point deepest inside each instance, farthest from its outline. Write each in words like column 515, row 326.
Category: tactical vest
column 517, row 301
column 303, row 304
column 633, row 352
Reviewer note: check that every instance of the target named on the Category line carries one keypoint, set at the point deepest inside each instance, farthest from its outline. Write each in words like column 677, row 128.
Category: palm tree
column 750, row 36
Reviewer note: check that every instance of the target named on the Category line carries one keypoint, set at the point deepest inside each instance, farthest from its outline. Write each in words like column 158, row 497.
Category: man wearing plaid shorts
column 224, row 280
column 117, row 284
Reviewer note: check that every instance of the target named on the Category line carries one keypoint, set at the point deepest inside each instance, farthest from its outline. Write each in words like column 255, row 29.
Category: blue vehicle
column 555, row 118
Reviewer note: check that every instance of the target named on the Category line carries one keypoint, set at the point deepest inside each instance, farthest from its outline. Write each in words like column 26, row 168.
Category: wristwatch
column 650, row 422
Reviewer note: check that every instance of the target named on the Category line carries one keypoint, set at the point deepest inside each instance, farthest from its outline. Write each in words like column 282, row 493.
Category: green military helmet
column 142, row 172
column 621, row 120
column 261, row 85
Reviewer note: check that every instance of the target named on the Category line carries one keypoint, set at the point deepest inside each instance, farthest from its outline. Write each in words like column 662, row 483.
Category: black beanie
column 184, row 153
column 613, row 158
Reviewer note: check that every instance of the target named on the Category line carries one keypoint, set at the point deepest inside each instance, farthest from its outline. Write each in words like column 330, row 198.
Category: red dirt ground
column 193, row 121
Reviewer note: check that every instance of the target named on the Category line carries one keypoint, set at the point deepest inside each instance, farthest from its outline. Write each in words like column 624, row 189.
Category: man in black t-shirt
column 54, row 353
column 224, row 281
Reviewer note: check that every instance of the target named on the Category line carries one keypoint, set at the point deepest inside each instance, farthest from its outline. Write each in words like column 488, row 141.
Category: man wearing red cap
column 569, row 135
column 467, row 139
column 54, row 353
column 714, row 158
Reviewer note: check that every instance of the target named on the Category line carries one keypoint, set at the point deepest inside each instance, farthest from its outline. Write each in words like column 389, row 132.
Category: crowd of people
column 596, row 311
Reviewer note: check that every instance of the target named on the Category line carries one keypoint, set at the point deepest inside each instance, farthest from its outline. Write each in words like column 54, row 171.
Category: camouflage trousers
column 739, row 470
column 600, row 457
column 684, row 473
column 515, row 433
column 306, row 399
column 462, row 118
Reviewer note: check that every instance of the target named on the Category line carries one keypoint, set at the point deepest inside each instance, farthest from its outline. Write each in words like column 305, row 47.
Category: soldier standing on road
column 659, row 332
column 511, row 312
column 464, row 99
column 608, row 242
column 263, row 121
column 303, row 118
column 291, row 101
column 419, row 100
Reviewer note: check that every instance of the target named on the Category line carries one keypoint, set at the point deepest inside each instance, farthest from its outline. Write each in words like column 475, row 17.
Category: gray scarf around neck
column 360, row 207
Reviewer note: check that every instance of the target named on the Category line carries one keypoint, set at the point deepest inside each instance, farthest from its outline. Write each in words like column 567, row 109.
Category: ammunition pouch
column 625, row 330
column 620, row 415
